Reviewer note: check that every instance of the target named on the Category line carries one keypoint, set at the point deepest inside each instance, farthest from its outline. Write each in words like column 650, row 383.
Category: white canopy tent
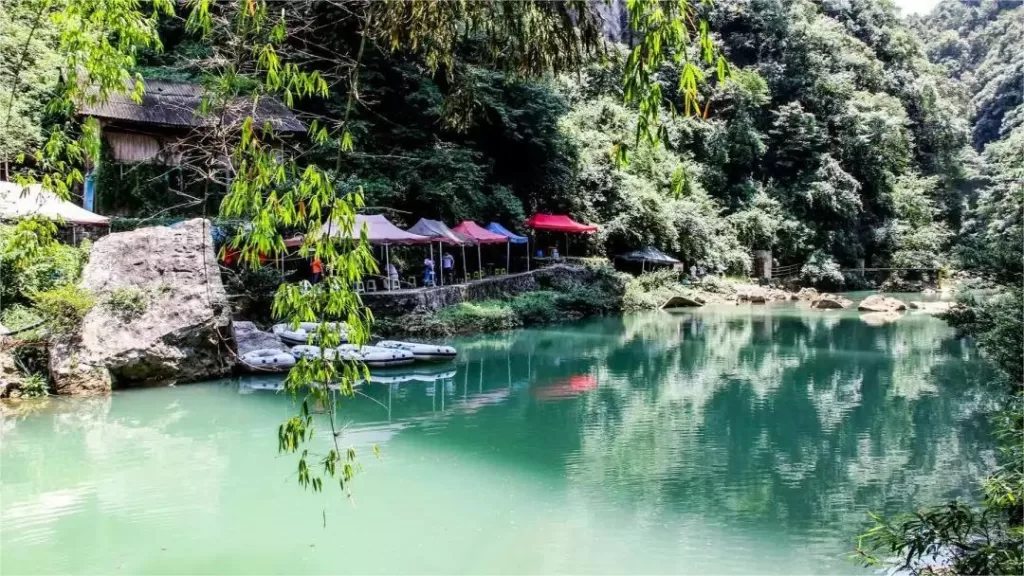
column 18, row 202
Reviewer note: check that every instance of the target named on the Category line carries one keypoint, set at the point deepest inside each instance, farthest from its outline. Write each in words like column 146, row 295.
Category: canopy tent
column 478, row 235
column 513, row 238
column 17, row 202
column 651, row 255
column 439, row 232
column 559, row 223
column 379, row 231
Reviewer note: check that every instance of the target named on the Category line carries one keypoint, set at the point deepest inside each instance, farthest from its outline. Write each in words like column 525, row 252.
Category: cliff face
column 614, row 20
column 174, row 331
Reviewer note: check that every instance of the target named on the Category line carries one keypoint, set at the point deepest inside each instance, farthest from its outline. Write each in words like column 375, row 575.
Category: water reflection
column 734, row 428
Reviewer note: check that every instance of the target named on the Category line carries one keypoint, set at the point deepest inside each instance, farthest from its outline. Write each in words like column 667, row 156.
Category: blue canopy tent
column 513, row 238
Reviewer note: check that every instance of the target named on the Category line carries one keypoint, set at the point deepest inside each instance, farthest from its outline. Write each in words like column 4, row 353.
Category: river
column 727, row 440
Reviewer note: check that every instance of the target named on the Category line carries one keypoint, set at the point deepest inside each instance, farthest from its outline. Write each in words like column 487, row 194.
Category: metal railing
column 787, row 270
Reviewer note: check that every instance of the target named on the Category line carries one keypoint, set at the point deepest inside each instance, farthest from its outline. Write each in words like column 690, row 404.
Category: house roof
column 177, row 104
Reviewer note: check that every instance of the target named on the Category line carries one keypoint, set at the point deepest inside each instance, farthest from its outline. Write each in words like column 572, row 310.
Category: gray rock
column 683, row 301
column 879, row 303
column 249, row 338
column 178, row 337
column 831, row 302
column 931, row 307
column 757, row 295
column 807, row 294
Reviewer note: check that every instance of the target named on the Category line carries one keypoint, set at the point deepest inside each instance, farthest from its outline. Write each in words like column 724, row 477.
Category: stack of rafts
column 278, row 351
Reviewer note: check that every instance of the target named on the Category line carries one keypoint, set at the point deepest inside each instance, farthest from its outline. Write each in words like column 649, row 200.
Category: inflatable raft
column 372, row 356
column 267, row 360
column 376, row 356
column 305, row 333
column 428, row 352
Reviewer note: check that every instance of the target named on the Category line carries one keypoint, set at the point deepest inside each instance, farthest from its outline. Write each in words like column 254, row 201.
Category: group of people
column 447, row 269
column 316, row 269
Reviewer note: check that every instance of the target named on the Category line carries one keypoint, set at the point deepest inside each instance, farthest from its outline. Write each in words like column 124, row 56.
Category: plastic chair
column 360, row 287
column 371, row 285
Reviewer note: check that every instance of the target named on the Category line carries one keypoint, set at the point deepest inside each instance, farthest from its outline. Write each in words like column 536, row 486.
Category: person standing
column 317, row 268
column 428, row 271
column 448, row 267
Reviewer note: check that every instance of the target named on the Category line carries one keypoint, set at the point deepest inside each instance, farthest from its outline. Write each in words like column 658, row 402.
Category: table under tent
column 559, row 223
column 478, row 235
column 649, row 256
column 513, row 238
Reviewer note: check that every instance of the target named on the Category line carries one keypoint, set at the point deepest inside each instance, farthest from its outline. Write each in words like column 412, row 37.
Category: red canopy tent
column 559, row 223
column 476, row 234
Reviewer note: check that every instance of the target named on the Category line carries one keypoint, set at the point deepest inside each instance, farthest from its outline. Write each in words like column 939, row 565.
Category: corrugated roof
column 176, row 104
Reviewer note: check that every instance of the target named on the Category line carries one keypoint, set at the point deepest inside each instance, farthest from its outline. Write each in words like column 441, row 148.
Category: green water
column 738, row 440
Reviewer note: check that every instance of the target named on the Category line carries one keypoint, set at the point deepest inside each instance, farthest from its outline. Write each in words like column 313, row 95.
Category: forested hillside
column 844, row 132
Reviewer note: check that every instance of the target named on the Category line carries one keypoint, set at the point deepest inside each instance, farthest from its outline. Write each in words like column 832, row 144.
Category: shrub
column 34, row 386
column 252, row 292
column 126, row 303
column 651, row 290
column 486, row 316
column 822, row 270
column 18, row 317
column 64, row 307
column 541, row 307
column 30, row 264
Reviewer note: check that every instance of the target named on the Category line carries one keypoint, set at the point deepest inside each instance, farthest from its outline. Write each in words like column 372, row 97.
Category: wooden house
column 160, row 127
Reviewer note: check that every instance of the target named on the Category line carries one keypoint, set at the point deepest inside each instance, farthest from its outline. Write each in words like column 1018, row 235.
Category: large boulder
column 249, row 338
column 937, row 307
column 177, row 327
column 683, row 301
column 879, row 303
column 807, row 294
column 830, row 302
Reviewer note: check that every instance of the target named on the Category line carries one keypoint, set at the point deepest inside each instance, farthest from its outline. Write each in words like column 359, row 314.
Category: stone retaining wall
column 391, row 304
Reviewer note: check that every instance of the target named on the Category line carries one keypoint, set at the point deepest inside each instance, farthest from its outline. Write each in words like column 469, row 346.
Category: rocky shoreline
column 162, row 315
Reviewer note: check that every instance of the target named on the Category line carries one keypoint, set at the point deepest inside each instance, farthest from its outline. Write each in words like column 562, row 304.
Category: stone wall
column 392, row 304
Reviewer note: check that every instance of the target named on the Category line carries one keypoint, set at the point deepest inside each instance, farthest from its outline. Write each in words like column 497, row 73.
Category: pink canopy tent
column 478, row 235
column 559, row 223
column 379, row 232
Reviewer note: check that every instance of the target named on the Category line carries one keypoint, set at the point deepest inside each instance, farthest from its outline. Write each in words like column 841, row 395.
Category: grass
column 127, row 303
column 64, row 307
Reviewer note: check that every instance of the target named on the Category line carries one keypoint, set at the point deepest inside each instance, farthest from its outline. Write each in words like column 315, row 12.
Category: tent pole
column 566, row 244
column 440, row 254
column 465, row 275
column 508, row 256
column 527, row 253
column 387, row 267
column 479, row 261
column 431, row 259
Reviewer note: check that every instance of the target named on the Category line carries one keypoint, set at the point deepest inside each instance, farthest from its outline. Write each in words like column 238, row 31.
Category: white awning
column 17, row 202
